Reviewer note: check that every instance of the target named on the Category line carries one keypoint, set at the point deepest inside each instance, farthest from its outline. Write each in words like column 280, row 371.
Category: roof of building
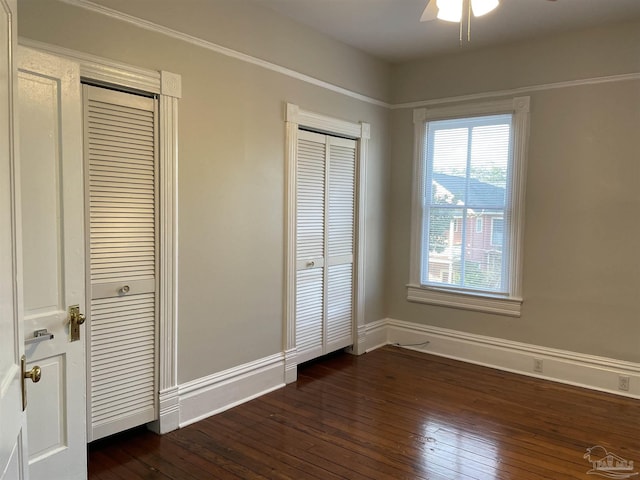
column 479, row 193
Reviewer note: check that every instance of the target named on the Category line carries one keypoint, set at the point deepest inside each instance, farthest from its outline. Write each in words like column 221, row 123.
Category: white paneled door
column 12, row 417
column 121, row 159
column 325, row 226
column 52, row 197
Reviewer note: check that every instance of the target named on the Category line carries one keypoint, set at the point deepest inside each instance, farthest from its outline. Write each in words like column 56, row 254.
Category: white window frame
column 511, row 303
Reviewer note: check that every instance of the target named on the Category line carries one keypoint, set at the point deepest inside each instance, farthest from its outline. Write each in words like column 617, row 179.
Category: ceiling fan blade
column 430, row 11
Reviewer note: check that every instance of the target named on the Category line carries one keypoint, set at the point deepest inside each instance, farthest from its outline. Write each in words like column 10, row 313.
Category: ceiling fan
column 453, row 10
column 458, row 11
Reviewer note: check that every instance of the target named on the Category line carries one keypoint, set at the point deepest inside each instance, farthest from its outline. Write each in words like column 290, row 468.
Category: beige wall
column 245, row 26
column 581, row 255
column 581, row 264
column 597, row 52
column 231, row 182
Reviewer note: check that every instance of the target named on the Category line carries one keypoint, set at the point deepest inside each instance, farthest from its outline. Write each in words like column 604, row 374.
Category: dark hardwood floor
column 389, row 414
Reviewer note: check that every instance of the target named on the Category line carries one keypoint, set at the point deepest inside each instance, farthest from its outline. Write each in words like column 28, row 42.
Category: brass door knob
column 34, row 374
column 75, row 319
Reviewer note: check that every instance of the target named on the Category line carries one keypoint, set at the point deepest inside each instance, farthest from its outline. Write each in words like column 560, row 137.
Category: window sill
column 509, row 306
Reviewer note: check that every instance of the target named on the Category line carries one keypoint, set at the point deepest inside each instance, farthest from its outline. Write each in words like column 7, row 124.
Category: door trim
column 361, row 132
column 168, row 87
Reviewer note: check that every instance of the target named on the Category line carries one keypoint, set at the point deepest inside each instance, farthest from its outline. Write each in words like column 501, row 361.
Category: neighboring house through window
column 497, row 232
column 470, row 166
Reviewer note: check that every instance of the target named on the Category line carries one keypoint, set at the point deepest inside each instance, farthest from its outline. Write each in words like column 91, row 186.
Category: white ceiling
column 391, row 29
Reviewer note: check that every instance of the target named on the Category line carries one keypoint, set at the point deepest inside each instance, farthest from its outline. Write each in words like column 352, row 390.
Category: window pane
column 449, row 160
column 483, row 259
column 443, row 248
column 465, row 203
column 490, row 148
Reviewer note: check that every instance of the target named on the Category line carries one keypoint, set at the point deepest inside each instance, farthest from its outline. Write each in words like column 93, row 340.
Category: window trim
column 509, row 304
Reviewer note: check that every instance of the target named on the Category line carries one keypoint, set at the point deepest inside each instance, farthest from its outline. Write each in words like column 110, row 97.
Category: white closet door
column 53, row 261
column 340, row 242
column 325, row 244
column 120, row 148
column 310, row 245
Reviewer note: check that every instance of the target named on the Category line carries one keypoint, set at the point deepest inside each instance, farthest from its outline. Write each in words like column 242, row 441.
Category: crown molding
column 214, row 47
column 147, row 25
column 625, row 77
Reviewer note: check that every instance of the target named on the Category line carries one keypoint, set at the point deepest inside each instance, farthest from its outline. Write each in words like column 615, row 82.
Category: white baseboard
column 290, row 366
column 168, row 412
column 203, row 397
column 215, row 393
column 377, row 335
column 588, row 371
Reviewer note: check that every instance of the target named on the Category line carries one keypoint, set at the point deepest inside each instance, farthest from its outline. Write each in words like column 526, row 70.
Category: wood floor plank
column 287, row 444
column 390, row 414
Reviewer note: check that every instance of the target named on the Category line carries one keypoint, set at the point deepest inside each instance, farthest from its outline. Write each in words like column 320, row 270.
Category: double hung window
column 468, row 206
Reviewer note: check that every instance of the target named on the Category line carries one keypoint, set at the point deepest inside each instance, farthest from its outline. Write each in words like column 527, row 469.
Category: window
column 470, row 165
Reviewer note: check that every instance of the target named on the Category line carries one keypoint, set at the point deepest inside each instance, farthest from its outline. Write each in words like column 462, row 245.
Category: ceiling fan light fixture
column 482, row 7
column 450, row 10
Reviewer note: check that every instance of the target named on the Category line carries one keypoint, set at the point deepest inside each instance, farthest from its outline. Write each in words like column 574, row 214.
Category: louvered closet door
column 310, row 245
column 325, row 242
column 340, row 242
column 120, row 152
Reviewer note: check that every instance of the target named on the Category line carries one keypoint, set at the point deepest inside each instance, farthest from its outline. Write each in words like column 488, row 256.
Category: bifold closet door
column 310, row 244
column 120, row 154
column 324, row 245
column 340, row 243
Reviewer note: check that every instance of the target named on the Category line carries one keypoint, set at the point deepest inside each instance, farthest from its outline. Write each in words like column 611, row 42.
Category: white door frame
column 168, row 87
column 296, row 118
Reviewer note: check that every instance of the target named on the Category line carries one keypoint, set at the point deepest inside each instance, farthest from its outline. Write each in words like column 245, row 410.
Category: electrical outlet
column 623, row 383
column 537, row 365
